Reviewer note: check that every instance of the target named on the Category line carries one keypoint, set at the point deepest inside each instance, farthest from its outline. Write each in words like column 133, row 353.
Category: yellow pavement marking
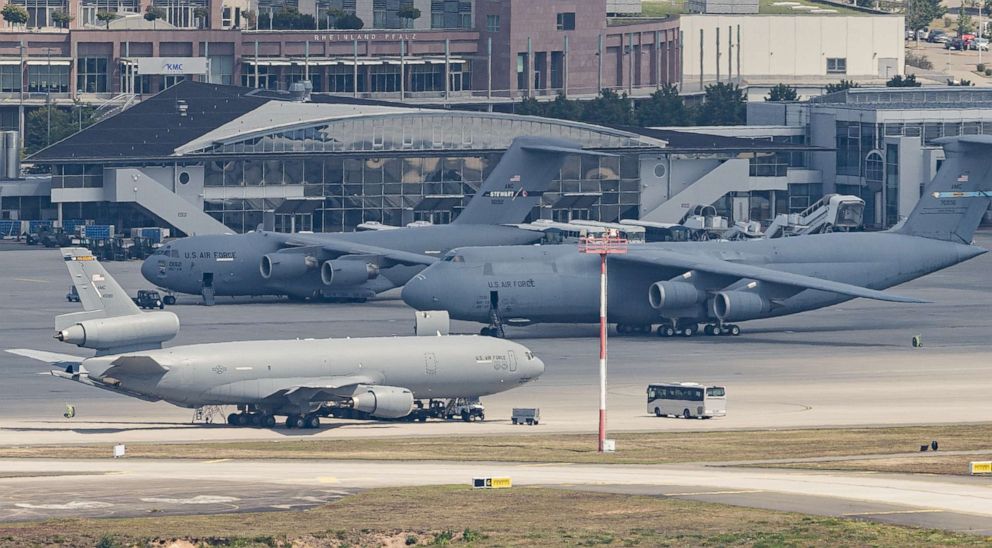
column 891, row 512
column 713, row 493
column 328, row 479
column 215, row 461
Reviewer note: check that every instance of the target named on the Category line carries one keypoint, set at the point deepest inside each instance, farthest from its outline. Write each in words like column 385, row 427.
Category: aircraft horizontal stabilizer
column 51, row 358
column 669, row 259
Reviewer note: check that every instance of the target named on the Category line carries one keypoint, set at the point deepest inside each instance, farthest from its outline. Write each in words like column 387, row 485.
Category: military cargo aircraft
column 678, row 286
column 300, row 379
column 357, row 266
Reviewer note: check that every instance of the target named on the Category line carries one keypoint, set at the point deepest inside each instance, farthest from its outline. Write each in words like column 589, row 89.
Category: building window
column 521, row 71
column 48, row 78
column 385, row 78
column 91, row 75
column 874, row 167
column 182, row 13
column 837, row 65
column 566, row 20
column 428, row 77
column 341, row 79
column 169, row 81
column 492, row 23
column 89, row 8
column 40, row 11
column 891, row 185
column 557, row 69
column 10, row 78
column 451, row 14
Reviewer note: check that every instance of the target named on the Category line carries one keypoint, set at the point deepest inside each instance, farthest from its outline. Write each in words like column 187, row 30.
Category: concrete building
column 765, row 50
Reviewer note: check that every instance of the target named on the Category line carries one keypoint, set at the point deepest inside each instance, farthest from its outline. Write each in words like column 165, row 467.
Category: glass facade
column 91, row 74
column 891, row 185
column 451, row 14
column 48, row 78
column 368, row 169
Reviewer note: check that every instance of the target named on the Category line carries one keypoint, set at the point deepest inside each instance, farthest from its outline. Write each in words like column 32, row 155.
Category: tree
column 608, row 109
column 564, row 109
column 965, row 24
column 921, row 13
column 349, row 21
column 408, row 14
column 898, row 81
column 106, row 17
column 288, row 18
column 664, row 108
column 153, row 13
column 64, row 122
column 841, row 86
column 782, row 92
column 529, row 107
column 15, row 14
column 723, row 105
column 62, row 18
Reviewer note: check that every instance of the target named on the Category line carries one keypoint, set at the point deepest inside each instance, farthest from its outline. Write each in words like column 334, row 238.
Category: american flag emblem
column 98, row 278
column 515, row 179
column 963, row 178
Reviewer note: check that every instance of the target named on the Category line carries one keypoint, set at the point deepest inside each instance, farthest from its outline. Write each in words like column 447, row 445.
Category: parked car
column 938, row 37
column 979, row 44
column 149, row 298
column 955, row 44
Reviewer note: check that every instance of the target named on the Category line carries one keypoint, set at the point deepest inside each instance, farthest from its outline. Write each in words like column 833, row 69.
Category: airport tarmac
column 852, row 364
column 126, row 487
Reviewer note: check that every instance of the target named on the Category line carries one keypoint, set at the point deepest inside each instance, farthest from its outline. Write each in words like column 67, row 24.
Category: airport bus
column 687, row 399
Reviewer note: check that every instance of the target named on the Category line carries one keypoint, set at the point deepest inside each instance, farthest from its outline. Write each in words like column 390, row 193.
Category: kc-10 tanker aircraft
column 678, row 286
column 357, row 266
column 302, row 379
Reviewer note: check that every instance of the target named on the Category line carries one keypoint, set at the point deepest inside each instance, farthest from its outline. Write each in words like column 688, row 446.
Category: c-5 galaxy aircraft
column 356, row 266
column 301, row 379
column 681, row 285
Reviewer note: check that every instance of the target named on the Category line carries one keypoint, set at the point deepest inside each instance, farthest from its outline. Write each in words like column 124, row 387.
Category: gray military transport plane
column 681, row 285
column 357, row 266
column 305, row 379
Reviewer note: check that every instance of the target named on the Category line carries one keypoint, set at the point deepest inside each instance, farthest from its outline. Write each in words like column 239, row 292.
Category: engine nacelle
column 385, row 402
column 122, row 331
column 739, row 305
column 674, row 295
column 286, row 266
column 347, row 273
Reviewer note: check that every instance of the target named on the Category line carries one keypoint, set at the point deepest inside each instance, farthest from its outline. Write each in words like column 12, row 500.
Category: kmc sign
column 172, row 65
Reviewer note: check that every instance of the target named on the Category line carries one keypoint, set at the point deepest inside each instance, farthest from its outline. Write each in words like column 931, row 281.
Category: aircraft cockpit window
column 174, row 254
column 454, row 259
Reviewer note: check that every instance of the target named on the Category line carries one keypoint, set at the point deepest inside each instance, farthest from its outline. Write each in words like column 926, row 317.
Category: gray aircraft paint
column 507, row 195
column 279, row 377
column 559, row 284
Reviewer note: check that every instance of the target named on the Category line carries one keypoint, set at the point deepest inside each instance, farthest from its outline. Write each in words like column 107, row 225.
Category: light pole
column 610, row 243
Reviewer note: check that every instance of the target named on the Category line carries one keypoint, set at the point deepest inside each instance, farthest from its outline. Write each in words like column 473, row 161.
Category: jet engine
column 384, row 402
column 286, row 266
column 121, row 331
column 346, row 273
column 674, row 295
column 739, row 305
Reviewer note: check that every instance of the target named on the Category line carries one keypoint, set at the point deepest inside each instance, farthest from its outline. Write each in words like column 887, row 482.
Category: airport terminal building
column 204, row 158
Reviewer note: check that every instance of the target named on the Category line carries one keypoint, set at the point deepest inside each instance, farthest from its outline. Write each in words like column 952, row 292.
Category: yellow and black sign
column 981, row 467
column 491, row 483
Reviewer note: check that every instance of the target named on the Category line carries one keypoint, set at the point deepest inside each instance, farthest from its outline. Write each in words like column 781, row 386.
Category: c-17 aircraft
column 678, row 286
column 357, row 266
column 383, row 377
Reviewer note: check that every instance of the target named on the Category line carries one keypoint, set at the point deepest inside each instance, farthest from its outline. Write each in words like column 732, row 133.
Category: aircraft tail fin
column 516, row 184
column 100, row 295
column 953, row 204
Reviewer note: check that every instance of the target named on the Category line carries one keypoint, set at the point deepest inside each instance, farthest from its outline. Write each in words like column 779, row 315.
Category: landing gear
column 494, row 331
column 666, row 331
column 633, row 329
column 294, row 421
column 722, row 329
column 299, row 421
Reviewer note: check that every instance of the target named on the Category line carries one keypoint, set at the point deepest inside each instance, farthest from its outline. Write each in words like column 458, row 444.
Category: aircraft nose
column 149, row 269
column 420, row 293
column 537, row 368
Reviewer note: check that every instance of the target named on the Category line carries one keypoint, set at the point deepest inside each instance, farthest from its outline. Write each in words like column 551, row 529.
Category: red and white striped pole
column 602, row 351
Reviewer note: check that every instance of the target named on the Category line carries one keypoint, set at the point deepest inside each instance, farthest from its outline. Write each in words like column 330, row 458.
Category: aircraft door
column 430, row 360
column 207, row 288
column 512, row 359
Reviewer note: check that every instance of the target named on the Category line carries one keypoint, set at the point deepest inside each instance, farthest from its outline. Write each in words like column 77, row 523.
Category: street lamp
column 610, row 243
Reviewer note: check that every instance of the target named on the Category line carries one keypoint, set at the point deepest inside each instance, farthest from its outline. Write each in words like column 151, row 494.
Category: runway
column 125, row 487
column 847, row 365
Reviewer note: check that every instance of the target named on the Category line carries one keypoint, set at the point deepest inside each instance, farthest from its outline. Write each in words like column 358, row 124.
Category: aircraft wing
column 315, row 389
column 335, row 248
column 670, row 260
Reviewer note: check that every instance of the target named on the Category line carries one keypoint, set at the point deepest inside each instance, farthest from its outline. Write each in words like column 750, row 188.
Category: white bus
column 687, row 400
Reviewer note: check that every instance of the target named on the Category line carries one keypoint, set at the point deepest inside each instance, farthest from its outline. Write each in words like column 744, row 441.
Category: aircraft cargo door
column 430, row 360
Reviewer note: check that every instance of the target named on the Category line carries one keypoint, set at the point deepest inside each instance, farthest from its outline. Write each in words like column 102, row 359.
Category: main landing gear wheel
column 313, row 421
column 666, row 331
column 689, row 330
column 734, row 330
column 491, row 332
column 232, row 419
column 295, row 421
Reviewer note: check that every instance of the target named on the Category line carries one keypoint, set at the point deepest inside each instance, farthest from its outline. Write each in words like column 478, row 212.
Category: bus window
column 697, row 394
column 716, row 392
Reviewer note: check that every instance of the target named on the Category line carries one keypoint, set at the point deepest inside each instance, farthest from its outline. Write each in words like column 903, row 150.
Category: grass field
column 461, row 516
column 632, row 448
